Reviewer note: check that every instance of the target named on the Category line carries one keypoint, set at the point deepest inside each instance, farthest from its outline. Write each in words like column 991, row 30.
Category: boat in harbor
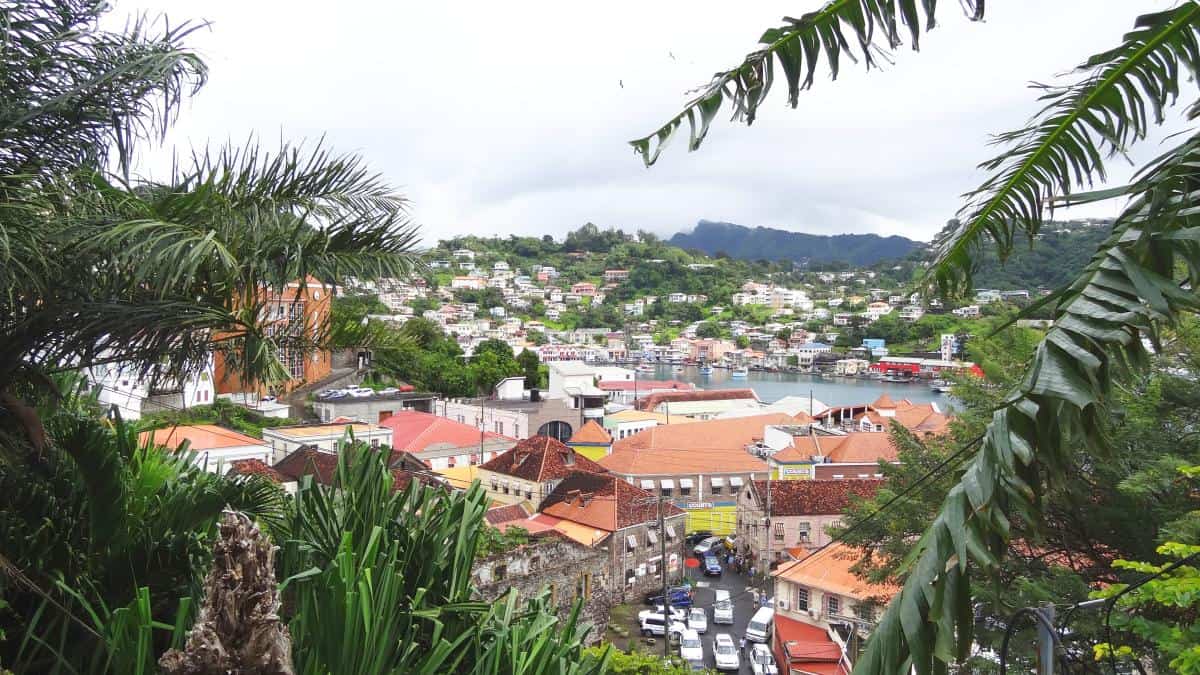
column 706, row 369
column 940, row 386
column 739, row 373
column 644, row 368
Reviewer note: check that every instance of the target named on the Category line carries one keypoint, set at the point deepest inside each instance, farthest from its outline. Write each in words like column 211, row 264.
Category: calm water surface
column 830, row 390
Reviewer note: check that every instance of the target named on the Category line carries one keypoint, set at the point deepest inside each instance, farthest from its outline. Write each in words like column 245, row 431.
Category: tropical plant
column 392, row 571
column 98, row 521
column 1140, row 280
column 99, row 268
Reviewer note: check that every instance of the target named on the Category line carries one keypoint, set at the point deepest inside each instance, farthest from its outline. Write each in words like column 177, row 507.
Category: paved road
column 743, row 609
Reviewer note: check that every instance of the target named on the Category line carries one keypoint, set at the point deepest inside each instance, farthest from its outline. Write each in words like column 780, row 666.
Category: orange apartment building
column 284, row 311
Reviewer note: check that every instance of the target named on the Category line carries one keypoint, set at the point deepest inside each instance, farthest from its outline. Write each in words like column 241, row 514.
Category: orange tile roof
column 254, row 467
column 828, row 569
column 591, row 433
column 710, row 446
column 855, row 448
column 884, row 401
column 199, row 437
column 653, row 400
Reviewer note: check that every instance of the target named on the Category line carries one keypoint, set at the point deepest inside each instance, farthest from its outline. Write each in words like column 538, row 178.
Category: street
column 743, row 609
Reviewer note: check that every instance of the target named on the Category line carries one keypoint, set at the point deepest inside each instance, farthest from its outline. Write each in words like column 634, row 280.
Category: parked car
column 705, row 546
column 725, row 653
column 697, row 537
column 697, row 620
column 677, row 613
column 333, row 393
column 690, row 647
column 360, row 392
column 722, row 607
column 712, row 566
column 389, row 390
column 759, row 628
column 681, row 596
column 762, row 662
column 652, row 623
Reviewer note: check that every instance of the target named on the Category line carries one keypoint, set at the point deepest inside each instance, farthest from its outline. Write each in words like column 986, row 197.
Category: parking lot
column 743, row 609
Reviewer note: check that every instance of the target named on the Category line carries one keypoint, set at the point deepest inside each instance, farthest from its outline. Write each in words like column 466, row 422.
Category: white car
column 697, row 619
column 677, row 613
column 762, row 662
column 722, row 607
column 690, row 647
column 651, row 623
column 389, row 390
column 702, row 549
column 360, row 392
column 725, row 652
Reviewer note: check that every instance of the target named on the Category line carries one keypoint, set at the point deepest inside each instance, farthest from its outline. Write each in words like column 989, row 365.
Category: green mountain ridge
column 765, row 243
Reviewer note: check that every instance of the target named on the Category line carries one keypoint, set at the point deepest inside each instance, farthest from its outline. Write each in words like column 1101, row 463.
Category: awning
column 717, row 481
column 647, row 485
column 670, row 531
column 631, row 541
column 686, row 483
column 668, row 484
column 651, row 537
column 736, row 481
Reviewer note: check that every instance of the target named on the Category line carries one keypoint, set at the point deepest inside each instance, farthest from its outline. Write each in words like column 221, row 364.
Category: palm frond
column 1128, row 291
column 874, row 26
column 1122, row 94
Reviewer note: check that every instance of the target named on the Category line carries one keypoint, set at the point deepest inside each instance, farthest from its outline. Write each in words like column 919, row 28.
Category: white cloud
column 513, row 117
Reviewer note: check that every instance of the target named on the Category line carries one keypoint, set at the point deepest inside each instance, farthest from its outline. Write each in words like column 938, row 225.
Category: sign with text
column 692, row 506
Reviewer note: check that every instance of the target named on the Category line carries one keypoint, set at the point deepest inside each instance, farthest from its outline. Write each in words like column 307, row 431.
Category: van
column 652, row 623
column 722, row 607
column 759, row 628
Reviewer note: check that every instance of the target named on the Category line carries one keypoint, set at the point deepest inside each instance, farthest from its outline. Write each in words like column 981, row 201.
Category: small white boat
column 645, row 368
column 706, row 370
column 940, row 386
column 738, row 373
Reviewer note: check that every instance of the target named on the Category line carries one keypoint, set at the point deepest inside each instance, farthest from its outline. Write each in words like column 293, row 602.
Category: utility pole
column 1045, row 639
column 766, row 569
column 662, row 540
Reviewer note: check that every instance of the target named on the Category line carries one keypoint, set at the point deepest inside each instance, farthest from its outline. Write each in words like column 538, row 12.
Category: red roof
column 807, row 648
column 505, row 514
column 814, row 497
column 654, row 400
column 539, row 459
column 253, row 467
column 603, row 501
column 647, row 386
column 414, row 431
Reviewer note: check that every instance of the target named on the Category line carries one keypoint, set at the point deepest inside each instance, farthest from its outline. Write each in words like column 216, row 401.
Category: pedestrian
column 742, row 644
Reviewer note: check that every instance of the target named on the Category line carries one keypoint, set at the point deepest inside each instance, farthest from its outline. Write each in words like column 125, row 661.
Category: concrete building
column 443, row 443
column 609, row 514
column 625, row 423
column 531, row 470
column 216, row 447
column 325, row 437
column 800, row 513
column 373, row 408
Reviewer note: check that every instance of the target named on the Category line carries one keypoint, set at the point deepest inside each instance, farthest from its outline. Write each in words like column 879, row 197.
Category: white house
column 215, row 447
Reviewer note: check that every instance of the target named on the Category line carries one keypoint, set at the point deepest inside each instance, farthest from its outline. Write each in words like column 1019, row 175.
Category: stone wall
column 566, row 567
column 638, row 567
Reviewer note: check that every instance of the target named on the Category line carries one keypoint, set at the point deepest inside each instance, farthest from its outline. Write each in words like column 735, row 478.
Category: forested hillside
column 1056, row 257
column 764, row 243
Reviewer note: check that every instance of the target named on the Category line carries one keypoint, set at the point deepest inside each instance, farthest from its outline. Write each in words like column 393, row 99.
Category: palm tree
column 1140, row 280
column 99, row 267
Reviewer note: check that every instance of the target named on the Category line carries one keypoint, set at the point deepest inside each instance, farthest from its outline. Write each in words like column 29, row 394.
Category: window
column 865, row 611
column 715, row 489
column 670, row 531
column 804, row 532
column 495, row 485
column 651, row 537
column 529, row 494
column 778, row 531
column 833, row 605
column 583, row 587
column 374, row 442
column 631, row 542
column 800, row 599
column 666, row 492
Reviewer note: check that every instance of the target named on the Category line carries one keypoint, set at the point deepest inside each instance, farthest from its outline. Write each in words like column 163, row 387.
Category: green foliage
column 764, row 243
column 391, row 571
column 1055, row 260
column 491, row 541
column 350, row 328
column 531, row 367
column 873, row 27
column 635, row 662
column 221, row 412
column 708, row 329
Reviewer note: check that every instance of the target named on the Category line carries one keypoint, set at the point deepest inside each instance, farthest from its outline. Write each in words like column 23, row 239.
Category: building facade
column 801, row 512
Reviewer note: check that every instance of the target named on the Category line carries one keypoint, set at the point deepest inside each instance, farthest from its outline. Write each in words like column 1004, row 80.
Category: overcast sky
column 500, row 118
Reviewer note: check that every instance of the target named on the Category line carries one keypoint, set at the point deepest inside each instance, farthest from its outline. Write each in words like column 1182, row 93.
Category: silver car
column 697, row 619
column 725, row 653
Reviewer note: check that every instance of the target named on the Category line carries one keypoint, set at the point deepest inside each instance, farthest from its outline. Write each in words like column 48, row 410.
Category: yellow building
column 591, row 441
